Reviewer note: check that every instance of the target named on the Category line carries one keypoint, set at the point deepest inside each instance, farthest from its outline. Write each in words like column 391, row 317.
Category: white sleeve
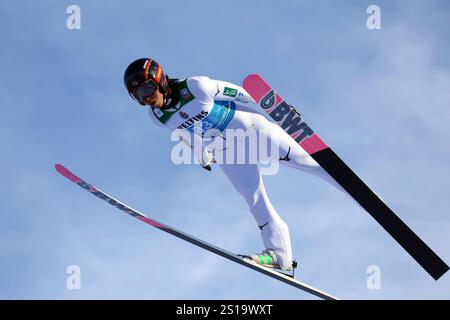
column 229, row 91
column 206, row 90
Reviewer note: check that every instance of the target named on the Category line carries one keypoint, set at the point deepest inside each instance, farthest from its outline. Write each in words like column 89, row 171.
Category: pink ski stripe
column 313, row 144
column 151, row 222
column 66, row 173
column 257, row 86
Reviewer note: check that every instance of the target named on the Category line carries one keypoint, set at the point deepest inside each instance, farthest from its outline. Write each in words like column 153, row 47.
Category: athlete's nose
column 150, row 100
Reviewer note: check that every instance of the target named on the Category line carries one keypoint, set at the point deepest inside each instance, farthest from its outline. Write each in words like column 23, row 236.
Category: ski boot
column 268, row 259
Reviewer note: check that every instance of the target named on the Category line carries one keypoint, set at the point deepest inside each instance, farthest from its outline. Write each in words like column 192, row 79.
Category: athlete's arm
column 219, row 90
column 209, row 89
column 203, row 155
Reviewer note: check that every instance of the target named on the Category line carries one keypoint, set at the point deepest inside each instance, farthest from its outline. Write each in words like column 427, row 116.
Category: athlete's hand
column 207, row 160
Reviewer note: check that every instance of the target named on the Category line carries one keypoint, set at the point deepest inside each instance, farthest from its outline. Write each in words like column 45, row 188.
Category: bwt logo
column 287, row 117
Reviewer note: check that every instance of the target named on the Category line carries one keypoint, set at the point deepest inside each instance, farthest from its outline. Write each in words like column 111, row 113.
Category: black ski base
column 415, row 246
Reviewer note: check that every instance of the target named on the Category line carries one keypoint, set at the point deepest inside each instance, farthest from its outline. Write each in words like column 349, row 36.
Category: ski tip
column 251, row 76
column 61, row 169
column 66, row 173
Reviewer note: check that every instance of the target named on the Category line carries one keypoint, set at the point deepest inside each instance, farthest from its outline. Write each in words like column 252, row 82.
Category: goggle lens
column 145, row 91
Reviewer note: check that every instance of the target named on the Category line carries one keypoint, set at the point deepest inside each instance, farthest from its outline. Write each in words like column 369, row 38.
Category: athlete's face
column 156, row 100
column 149, row 94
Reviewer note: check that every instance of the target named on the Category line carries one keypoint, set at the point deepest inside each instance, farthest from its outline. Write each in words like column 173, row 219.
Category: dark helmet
column 143, row 71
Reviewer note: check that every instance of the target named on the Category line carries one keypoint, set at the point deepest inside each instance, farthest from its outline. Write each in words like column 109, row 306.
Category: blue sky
column 380, row 98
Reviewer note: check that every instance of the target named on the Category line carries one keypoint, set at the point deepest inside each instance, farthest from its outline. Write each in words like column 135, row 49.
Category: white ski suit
column 212, row 104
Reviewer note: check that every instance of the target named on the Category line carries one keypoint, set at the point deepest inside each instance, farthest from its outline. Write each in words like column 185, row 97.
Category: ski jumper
column 213, row 104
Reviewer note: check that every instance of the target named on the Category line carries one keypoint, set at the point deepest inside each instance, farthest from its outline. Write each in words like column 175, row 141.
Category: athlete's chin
column 158, row 105
column 155, row 104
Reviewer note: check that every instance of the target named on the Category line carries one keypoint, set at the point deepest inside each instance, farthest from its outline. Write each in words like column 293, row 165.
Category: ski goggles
column 144, row 91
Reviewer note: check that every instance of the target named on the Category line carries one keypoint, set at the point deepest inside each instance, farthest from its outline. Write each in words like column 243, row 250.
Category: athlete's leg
column 289, row 151
column 246, row 179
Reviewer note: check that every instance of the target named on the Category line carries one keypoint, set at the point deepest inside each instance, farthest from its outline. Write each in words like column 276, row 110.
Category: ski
column 292, row 122
column 195, row 241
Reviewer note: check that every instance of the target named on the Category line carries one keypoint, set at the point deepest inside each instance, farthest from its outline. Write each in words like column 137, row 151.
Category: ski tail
column 191, row 239
column 292, row 122
column 378, row 209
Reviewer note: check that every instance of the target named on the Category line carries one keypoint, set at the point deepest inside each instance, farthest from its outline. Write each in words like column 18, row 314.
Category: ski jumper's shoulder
column 201, row 87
